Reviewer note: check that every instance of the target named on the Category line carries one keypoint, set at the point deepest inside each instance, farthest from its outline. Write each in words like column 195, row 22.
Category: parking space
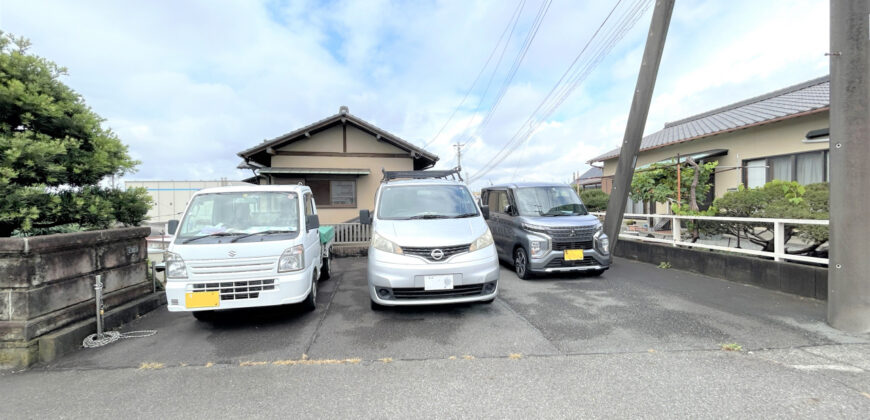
column 634, row 307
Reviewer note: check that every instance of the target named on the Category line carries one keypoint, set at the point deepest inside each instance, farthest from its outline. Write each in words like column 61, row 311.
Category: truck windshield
column 240, row 214
column 426, row 202
column 549, row 201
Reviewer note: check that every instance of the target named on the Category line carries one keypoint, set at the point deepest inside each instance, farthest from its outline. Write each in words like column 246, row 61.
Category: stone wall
column 799, row 279
column 47, row 284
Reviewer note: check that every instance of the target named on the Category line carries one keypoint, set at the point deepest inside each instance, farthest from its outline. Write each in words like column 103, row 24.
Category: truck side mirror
column 312, row 221
column 484, row 210
column 172, row 226
column 365, row 217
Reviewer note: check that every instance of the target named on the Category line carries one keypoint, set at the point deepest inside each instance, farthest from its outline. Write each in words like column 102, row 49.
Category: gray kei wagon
column 545, row 228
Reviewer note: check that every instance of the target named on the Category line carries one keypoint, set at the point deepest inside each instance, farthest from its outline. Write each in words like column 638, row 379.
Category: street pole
column 849, row 267
column 646, row 80
column 458, row 147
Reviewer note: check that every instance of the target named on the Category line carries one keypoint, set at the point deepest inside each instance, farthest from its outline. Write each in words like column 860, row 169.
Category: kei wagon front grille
column 420, row 293
column 561, row 263
column 561, row 246
column 234, row 290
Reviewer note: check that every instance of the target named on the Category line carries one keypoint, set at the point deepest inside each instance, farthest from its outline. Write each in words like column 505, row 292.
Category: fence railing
column 675, row 236
column 352, row 233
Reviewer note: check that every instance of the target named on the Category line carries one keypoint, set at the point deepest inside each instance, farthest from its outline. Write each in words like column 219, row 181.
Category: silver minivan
column 430, row 243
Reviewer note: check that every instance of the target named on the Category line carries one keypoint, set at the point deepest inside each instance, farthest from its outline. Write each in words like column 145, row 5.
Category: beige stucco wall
column 778, row 138
column 329, row 140
column 357, row 142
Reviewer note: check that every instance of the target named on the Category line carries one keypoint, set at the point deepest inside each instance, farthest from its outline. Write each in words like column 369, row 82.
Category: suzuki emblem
column 231, row 254
column 437, row 254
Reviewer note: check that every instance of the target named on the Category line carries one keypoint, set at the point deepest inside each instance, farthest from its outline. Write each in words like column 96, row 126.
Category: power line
column 572, row 77
column 509, row 25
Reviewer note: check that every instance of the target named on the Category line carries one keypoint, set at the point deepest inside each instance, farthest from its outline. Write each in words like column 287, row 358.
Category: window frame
column 768, row 173
column 329, row 181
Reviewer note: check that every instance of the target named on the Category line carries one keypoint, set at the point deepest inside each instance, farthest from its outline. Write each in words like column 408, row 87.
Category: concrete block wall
column 47, row 283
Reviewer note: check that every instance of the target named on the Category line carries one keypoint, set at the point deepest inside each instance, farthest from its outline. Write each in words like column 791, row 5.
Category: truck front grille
column 234, row 290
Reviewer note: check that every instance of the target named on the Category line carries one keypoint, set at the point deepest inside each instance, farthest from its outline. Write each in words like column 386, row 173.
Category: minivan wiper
column 212, row 235
column 265, row 232
column 460, row 216
column 429, row 216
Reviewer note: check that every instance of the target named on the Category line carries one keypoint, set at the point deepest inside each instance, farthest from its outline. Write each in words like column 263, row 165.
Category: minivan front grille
column 420, row 293
column 571, row 233
column 234, row 290
column 561, row 246
column 426, row 252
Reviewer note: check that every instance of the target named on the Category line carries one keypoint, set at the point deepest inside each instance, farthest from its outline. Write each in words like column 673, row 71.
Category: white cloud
column 189, row 84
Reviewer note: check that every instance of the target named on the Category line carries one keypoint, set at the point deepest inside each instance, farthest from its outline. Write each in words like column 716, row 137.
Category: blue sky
column 189, row 84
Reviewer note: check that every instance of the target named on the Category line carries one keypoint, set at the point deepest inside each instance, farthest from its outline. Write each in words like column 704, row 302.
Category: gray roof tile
column 807, row 96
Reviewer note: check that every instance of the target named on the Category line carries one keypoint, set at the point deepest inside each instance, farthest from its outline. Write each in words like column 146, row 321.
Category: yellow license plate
column 573, row 254
column 202, row 299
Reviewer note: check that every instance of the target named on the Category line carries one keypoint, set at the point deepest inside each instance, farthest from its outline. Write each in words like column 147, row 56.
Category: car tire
column 310, row 302
column 324, row 271
column 521, row 263
column 203, row 315
column 377, row 307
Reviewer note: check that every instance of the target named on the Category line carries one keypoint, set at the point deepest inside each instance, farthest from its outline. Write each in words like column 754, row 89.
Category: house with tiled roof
column 779, row 135
column 341, row 158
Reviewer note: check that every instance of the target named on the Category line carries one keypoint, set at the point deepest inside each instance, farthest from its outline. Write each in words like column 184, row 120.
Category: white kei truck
column 246, row 246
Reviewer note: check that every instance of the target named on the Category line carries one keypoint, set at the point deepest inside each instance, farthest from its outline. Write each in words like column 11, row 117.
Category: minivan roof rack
column 446, row 174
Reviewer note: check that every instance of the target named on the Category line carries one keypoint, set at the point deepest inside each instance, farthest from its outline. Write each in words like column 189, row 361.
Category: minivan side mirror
column 484, row 210
column 171, row 227
column 365, row 217
column 312, row 221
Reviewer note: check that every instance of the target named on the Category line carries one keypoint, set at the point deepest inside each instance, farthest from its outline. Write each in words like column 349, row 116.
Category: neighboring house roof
column 804, row 98
column 593, row 172
column 259, row 153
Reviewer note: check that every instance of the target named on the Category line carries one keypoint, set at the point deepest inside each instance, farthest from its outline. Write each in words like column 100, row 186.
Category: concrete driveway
column 638, row 341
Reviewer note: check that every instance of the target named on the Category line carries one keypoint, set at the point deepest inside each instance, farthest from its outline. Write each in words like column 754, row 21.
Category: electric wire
column 479, row 74
column 572, row 77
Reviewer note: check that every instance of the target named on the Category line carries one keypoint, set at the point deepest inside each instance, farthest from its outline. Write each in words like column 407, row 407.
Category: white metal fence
column 352, row 233
column 674, row 236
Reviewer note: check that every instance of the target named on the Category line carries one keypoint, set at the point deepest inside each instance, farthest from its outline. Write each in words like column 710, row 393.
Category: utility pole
column 458, row 147
column 646, row 81
column 849, row 267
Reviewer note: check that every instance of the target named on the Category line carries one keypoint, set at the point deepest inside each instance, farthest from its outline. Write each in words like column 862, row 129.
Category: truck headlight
column 383, row 244
column 293, row 259
column 538, row 246
column 175, row 267
column 483, row 241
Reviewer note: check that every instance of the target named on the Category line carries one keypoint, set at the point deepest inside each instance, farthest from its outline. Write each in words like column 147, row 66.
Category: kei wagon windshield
column 246, row 215
column 549, row 201
column 408, row 202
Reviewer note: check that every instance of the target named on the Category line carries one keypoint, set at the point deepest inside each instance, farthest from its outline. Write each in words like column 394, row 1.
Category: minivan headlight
column 293, row 259
column 175, row 267
column 483, row 241
column 383, row 244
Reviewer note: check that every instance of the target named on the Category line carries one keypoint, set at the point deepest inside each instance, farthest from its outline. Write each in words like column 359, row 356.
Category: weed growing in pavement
column 150, row 365
column 665, row 265
column 732, row 347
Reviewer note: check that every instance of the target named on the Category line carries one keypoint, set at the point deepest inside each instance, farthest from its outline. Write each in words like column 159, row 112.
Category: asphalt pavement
column 638, row 341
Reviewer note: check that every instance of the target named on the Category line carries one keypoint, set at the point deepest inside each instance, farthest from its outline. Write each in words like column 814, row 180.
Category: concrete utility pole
column 458, row 147
column 849, row 267
column 646, row 81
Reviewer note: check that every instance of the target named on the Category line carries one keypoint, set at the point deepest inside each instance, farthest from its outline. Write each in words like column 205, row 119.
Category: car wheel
column 377, row 306
column 521, row 264
column 203, row 315
column 324, row 271
column 310, row 302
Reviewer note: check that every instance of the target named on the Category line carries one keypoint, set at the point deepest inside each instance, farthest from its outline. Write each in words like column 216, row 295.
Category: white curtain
column 756, row 173
column 810, row 168
column 782, row 168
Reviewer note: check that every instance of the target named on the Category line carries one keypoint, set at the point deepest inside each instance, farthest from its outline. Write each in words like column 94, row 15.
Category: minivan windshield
column 406, row 202
column 245, row 216
column 549, row 201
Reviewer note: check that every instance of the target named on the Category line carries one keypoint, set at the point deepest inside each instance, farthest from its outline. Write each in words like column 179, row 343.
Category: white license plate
column 439, row 282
